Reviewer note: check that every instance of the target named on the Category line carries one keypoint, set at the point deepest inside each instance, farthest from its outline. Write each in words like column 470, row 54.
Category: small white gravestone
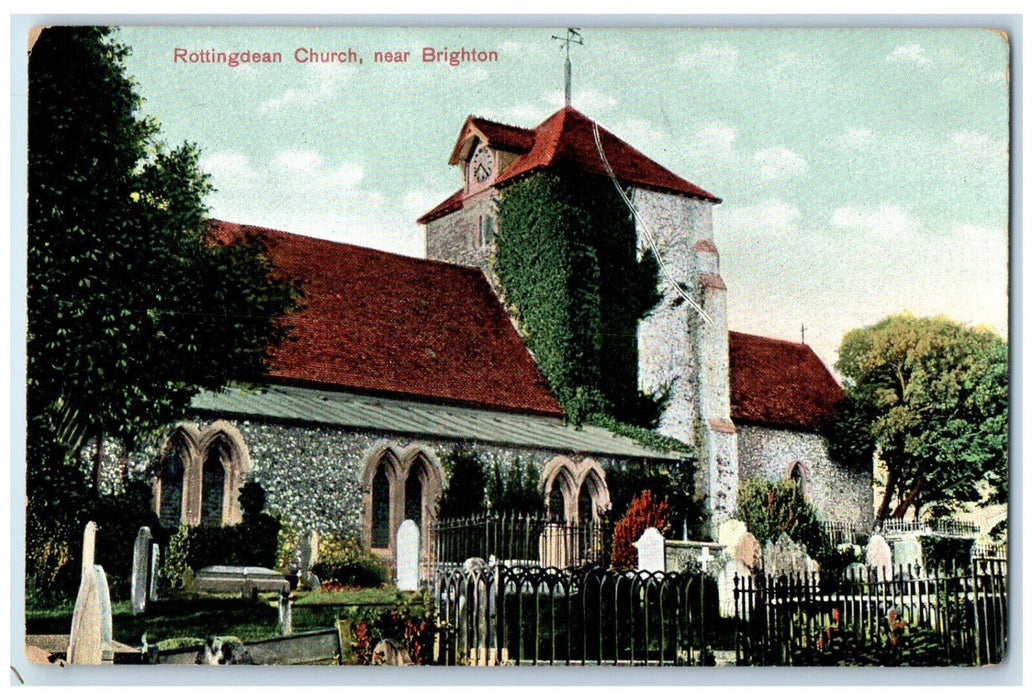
column 89, row 547
column 152, row 593
column 138, row 588
column 879, row 556
column 730, row 532
column 726, row 581
column 407, row 551
column 651, row 551
column 907, row 552
column 89, row 642
column 749, row 552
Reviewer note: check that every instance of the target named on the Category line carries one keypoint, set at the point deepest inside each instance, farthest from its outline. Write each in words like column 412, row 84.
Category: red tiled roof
column 387, row 323
column 453, row 203
column 777, row 382
column 502, row 136
column 567, row 138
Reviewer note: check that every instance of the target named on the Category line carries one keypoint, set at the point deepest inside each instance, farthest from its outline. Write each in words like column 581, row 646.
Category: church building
column 393, row 361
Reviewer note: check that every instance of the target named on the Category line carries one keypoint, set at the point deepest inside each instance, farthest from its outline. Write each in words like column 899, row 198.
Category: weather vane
column 573, row 37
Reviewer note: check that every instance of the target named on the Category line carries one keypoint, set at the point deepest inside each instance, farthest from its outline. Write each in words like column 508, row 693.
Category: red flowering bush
column 645, row 511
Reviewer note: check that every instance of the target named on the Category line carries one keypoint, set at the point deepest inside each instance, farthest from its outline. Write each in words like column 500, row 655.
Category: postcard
column 524, row 346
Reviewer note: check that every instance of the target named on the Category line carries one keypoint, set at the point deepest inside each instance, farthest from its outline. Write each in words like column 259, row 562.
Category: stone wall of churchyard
column 838, row 493
column 311, row 474
column 455, row 238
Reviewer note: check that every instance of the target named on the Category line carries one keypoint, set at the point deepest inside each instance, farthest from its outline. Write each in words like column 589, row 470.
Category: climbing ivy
column 567, row 262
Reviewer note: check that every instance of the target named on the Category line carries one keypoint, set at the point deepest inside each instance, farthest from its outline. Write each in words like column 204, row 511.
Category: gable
column 390, row 324
column 779, row 383
column 567, row 138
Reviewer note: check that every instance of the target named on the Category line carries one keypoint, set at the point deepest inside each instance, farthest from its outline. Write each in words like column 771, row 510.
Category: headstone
column 783, row 557
column 856, row 571
column 726, row 586
column 89, row 642
column 284, row 613
column 407, row 556
column 308, row 551
column 748, row 550
column 138, row 587
column 730, row 532
column 89, row 547
column 651, row 551
column 153, row 583
column 879, row 556
column 907, row 555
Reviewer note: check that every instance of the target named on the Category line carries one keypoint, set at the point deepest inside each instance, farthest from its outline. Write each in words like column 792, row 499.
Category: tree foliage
column 928, row 397
column 567, row 261
column 770, row 508
column 464, row 494
column 514, row 488
column 131, row 308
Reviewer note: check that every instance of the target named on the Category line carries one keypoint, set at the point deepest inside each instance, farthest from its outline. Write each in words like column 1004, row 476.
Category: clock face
column 482, row 164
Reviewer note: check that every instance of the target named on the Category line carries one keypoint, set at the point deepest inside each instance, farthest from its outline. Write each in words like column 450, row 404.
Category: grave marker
column 138, row 587
column 407, row 556
column 651, row 551
column 152, row 593
column 879, row 556
column 907, row 552
column 89, row 642
column 89, row 547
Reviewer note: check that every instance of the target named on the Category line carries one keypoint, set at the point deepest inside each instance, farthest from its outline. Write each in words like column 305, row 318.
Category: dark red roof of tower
column 777, row 382
column 568, row 138
column 386, row 323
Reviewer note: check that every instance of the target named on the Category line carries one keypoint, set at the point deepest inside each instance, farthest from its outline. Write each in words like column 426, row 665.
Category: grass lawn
column 201, row 615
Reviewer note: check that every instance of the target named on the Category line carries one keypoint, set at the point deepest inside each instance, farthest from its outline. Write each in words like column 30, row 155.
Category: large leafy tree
column 929, row 398
column 132, row 309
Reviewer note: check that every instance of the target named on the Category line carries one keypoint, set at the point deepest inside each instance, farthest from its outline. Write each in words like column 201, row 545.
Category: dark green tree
column 131, row 308
column 464, row 494
column 514, row 488
column 770, row 508
column 929, row 398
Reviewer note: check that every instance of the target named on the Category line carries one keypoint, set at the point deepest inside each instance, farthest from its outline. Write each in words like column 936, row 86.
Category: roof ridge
column 773, row 340
column 343, row 244
column 498, row 123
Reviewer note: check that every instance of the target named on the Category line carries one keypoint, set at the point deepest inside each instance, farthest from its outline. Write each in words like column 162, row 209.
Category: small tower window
column 487, row 231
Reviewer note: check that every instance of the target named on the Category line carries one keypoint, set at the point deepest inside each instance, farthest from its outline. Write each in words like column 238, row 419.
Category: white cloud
column 855, row 138
column 711, row 58
column 714, row 143
column 883, row 221
column 909, row 53
column 321, row 83
column 587, row 101
column 227, row 165
column 779, row 163
column 773, row 218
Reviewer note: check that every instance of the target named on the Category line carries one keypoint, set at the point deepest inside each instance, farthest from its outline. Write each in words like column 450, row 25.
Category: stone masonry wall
column 455, row 238
column 311, row 474
column 838, row 493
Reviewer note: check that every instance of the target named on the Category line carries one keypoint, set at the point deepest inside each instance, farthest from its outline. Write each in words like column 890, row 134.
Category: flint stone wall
column 837, row 492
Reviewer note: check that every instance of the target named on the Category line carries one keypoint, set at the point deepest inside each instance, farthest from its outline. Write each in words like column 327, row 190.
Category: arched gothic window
column 381, row 525
column 574, row 492
column 398, row 485
column 797, row 474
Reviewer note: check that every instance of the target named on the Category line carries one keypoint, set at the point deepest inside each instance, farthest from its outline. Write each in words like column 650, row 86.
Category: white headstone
column 90, row 639
column 784, row 557
column 879, row 556
column 407, row 556
column 907, row 552
column 726, row 580
column 89, row 547
column 651, row 551
column 138, row 587
column 729, row 532
column 748, row 551
column 152, row 593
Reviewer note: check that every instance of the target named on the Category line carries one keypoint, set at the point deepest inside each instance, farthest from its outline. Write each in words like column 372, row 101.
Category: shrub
column 771, row 508
column 175, row 571
column 644, row 512
column 675, row 481
column 409, row 621
column 467, row 483
column 514, row 489
column 343, row 562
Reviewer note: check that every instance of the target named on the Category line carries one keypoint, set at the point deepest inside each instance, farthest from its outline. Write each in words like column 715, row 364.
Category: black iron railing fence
column 938, row 618
column 518, row 538
column 517, row 615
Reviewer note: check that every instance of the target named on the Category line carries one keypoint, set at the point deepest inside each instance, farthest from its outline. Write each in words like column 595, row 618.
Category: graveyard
column 898, row 595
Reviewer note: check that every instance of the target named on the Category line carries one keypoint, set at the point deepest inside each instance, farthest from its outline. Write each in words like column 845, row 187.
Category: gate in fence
column 529, row 615
column 913, row 617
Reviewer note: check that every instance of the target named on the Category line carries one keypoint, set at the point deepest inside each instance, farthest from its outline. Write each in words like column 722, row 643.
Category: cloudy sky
column 863, row 172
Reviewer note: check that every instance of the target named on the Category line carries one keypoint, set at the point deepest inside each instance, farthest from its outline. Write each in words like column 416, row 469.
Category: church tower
column 683, row 345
